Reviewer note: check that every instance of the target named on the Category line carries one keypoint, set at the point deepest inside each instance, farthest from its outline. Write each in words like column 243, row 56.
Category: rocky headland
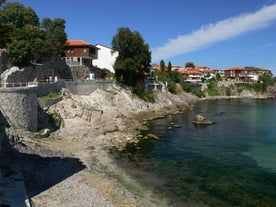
column 73, row 166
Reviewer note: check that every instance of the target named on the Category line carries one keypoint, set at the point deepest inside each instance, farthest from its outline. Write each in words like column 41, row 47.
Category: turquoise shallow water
column 231, row 163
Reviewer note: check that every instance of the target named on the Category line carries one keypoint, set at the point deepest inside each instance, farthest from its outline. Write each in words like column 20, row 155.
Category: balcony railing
column 18, row 85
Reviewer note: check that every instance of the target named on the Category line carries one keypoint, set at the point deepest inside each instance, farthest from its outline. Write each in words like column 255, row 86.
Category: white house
column 106, row 57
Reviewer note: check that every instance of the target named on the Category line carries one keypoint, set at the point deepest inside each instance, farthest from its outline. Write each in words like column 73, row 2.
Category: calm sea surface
column 231, row 163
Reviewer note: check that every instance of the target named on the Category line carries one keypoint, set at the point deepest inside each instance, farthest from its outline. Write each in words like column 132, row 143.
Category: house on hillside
column 237, row 73
column 201, row 67
column 106, row 57
column 244, row 74
column 191, row 75
column 176, row 67
column 79, row 53
column 211, row 73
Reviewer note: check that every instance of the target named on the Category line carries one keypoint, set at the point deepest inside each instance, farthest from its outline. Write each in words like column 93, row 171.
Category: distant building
column 79, row 53
column 245, row 74
column 191, row 75
column 106, row 57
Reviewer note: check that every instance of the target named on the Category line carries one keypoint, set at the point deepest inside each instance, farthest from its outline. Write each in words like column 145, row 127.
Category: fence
column 16, row 85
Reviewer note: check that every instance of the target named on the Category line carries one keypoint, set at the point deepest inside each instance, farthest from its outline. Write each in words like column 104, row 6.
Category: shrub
column 140, row 91
column 213, row 89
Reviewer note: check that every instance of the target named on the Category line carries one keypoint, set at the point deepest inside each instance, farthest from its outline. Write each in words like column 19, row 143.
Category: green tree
column 252, row 68
column 19, row 27
column 55, row 38
column 134, row 56
column 189, row 65
column 20, row 30
column 32, row 36
column 13, row 16
column 162, row 66
column 21, row 52
column 169, row 68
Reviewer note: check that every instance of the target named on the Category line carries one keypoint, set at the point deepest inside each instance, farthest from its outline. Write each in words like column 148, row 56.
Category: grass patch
column 51, row 95
column 40, row 131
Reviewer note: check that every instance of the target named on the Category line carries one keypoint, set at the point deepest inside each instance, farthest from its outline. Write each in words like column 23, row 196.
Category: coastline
column 95, row 124
column 78, row 155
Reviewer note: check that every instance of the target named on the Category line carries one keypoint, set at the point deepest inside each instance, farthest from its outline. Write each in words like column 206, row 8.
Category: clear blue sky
column 215, row 33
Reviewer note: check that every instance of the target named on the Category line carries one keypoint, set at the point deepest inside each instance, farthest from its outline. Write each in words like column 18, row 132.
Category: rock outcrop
column 53, row 68
column 201, row 120
column 115, row 114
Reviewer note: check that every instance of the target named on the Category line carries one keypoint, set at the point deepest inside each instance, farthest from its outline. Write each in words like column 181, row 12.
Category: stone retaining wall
column 19, row 106
column 45, row 88
column 87, row 87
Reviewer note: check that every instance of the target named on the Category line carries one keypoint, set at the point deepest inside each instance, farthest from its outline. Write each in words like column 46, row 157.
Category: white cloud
column 212, row 33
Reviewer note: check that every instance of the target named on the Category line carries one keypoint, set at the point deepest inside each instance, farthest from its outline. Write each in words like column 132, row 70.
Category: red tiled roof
column 195, row 71
column 77, row 43
column 237, row 68
column 200, row 67
column 189, row 71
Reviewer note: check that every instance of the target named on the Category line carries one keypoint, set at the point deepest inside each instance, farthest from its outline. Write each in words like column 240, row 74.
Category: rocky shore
column 73, row 166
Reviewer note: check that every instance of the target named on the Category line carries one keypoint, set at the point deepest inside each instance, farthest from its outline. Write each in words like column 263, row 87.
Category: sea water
column 230, row 163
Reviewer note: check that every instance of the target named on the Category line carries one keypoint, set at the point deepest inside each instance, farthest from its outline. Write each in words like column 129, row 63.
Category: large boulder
column 41, row 71
column 201, row 120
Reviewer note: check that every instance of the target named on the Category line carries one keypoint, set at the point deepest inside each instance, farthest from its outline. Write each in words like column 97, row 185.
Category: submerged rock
column 201, row 120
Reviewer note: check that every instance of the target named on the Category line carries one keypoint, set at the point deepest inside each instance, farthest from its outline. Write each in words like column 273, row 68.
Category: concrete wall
column 19, row 106
column 44, row 88
column 86, row 87
column 76, row 87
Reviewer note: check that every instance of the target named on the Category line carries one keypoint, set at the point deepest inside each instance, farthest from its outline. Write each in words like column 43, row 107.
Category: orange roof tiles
column 189, row 71
column 200, row 67
column 77, row 43
column 237, row 68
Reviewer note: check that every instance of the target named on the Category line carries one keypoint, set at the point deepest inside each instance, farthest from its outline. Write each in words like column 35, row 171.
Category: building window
column 84, row 49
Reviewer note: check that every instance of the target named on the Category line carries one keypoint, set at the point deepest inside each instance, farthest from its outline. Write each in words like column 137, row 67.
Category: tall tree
column 20, row 30
column 162, row 66
column 55, row 37
column 134, row 56
column 19, row 27
column 15, row 15
column 169, row 68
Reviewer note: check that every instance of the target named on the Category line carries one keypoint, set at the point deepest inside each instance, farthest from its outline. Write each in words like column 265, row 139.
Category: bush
column 228, row 91
column 198, row 92
column 140, row 91
column 213, row 89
